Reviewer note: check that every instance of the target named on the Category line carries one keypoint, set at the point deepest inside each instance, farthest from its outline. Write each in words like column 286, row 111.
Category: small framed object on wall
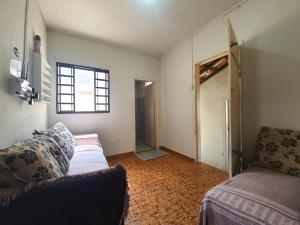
column 15, row 64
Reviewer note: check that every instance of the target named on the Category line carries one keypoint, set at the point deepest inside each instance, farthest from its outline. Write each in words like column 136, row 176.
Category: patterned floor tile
column 167, row 190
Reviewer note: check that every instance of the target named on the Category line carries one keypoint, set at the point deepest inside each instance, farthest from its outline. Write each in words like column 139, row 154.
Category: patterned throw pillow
column 32, row 161
column 61, row 134
column 279, row 149
column 55, row 150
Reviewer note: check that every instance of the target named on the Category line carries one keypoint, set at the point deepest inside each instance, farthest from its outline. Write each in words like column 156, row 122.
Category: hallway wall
column 140, row 111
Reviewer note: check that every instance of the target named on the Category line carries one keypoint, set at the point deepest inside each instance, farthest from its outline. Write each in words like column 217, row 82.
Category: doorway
column 213, row 96
column 218, row 108
column 145, row 116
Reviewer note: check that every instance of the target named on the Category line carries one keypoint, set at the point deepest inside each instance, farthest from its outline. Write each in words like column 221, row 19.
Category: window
column 82, row 89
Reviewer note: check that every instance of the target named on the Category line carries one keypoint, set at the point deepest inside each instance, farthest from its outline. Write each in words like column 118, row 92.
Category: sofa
column 267, row 192
column 90, row 193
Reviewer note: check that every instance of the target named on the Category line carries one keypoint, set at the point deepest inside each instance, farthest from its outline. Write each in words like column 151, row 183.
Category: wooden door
column 235, row 143
column 150, row 134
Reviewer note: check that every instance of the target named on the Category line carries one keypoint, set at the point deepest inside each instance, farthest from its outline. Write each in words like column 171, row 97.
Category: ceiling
column 149, row 26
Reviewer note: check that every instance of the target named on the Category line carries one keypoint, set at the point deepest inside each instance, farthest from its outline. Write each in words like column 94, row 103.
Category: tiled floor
column 167, row 190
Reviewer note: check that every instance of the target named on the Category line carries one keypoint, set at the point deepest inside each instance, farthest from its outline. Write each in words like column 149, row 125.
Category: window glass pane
column 65, row 80
column 65, row 107
column 101, row 107
column 65, row 71
column 66, row 89
column 84, row 90
column 100, row 91
column 66, row 98
column 101, row 83
column 102, row 100
column 101, row 76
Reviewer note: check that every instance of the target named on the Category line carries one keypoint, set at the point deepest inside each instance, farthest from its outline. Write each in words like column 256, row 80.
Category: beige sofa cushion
column 279, row 149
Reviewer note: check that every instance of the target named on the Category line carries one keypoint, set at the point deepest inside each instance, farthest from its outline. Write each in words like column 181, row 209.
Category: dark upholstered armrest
column 98, row 198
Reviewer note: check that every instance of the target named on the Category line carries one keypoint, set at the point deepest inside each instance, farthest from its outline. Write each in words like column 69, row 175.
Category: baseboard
column 121, row 154
column 176, row 153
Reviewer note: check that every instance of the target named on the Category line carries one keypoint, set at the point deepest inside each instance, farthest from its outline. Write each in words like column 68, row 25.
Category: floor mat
column 151, row 154
column 141, row 147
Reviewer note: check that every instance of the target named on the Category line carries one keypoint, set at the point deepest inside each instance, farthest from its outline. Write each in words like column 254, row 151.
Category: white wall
column 17, row 119
column 116, row 129
column 177, row 101
column 213, row 94
column 270, row 69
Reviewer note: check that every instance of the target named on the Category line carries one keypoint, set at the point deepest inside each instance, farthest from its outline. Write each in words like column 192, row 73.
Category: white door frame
column 156, row 113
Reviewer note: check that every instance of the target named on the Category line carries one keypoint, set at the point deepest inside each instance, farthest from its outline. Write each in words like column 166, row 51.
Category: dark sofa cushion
column 99, row 198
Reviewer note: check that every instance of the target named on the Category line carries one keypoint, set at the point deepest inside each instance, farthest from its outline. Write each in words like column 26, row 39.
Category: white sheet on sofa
column 86, row 159
column 86, row 136
column 88, row 148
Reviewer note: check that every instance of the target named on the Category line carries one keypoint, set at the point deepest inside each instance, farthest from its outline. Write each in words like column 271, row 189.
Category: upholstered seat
column 90, row 193
column 86, row 159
